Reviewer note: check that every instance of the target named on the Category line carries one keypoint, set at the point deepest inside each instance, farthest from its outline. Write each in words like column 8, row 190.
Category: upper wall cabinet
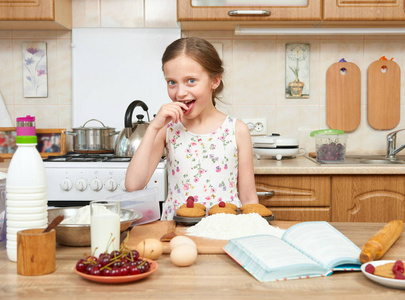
column 226, row 14
column 375, row 11
column 35, row 14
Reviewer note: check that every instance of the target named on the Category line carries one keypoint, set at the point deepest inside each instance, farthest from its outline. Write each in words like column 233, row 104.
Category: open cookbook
column 308, row 249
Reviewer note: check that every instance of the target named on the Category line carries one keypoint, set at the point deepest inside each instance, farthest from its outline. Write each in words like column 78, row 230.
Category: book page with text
column 323, row 243
column 273, row 253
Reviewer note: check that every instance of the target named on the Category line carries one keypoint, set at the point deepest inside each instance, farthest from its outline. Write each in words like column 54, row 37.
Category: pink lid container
column 26, row 126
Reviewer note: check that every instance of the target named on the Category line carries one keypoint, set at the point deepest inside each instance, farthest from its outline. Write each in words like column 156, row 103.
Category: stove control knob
column 111, row 185
column 122, row 185
column 66, row 184
column 81, row 184
column 96, row 184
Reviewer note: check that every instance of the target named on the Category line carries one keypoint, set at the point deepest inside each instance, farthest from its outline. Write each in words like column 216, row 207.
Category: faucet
column 391, row 144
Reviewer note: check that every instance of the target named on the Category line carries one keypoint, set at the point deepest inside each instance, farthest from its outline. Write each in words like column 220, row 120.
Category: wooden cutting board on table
column 343, row 96
column 383, row 94
column 158, row 228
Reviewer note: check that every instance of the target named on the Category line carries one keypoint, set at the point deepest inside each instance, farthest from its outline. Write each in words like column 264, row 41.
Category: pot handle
column 71, row 133
column 93, row 120
column 130, row 110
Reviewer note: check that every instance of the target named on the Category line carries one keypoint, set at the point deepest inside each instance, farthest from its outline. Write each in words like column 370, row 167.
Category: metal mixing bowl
column 79, row 234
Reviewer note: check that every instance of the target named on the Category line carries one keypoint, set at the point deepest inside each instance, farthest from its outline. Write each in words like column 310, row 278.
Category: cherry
column 124, row 271
column 95, row 271
column 104, row 260
column 115, row 253
column 89, row 268
column 106, row 272
column 115, row 272
column 133, row 255
column 133, row 270
column 221, row 204
column 80, row 266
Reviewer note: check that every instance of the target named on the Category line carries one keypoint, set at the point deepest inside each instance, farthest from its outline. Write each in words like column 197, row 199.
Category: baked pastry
column 190, row 212
column 223, row 208
column 256, row 208
column 230, row 205
column 191, row 209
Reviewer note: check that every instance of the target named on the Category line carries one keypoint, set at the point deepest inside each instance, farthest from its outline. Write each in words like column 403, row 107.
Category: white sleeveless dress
column 204, row 166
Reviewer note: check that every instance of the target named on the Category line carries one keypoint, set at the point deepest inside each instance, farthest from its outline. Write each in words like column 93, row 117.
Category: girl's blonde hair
column 202, row 52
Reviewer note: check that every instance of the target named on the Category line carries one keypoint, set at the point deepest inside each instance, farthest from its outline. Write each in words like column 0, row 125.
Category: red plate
column 120, row 279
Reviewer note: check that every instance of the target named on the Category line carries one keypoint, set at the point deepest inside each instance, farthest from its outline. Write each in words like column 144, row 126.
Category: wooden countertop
column 303, row 166
column 211, row 277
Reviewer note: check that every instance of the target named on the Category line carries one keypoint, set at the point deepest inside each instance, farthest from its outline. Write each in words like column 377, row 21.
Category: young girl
column 209, row 154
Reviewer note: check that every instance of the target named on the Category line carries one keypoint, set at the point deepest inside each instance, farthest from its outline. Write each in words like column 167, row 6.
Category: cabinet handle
column 271, row 193
column 249, row 13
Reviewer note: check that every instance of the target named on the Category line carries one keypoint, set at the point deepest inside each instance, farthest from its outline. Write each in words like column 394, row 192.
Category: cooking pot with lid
column 131, row 136
column 93, row 139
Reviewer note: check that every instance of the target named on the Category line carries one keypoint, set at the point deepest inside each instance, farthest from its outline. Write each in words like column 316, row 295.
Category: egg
column 150, row 248
column 181, row 240
column 183, row 255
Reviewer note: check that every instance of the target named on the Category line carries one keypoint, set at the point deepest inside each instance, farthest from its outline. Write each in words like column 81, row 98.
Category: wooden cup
column 36, row 252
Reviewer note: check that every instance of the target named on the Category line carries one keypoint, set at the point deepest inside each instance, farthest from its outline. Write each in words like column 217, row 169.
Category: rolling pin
column 376, row 247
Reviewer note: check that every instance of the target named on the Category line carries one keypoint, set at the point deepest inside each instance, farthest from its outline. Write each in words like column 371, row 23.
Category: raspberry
column 191, row 198
column 398, row 267
column 190, row 203
column 370, row 269
column 221, row 204
column 399, row 276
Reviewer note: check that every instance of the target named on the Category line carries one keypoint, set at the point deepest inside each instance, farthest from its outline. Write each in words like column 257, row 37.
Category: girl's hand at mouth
column 169, row 112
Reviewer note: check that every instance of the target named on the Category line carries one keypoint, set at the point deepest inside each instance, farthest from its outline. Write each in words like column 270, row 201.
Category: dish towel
column 5, row 120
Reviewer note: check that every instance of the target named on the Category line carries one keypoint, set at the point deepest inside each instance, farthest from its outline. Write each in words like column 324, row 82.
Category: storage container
column 144, row 201
column 330, row 145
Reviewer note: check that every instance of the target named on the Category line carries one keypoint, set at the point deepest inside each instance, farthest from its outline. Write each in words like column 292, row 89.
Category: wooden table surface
column 211, row 277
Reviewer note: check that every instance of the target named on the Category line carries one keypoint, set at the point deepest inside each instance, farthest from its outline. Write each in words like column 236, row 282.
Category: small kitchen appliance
column 276, row 146
column 75, row 179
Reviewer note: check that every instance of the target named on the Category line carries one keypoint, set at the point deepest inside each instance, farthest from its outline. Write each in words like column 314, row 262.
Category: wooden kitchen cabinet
column 36, row 15
column 296, row 197
column 360, row 10
column 219, row 18
column 368, row 198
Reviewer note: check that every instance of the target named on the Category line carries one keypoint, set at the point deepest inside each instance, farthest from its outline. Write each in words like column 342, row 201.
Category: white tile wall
column 254, row 66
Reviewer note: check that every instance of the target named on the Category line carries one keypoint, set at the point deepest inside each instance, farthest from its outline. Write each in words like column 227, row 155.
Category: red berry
column 95, row 271
column 133, row 270
column 370, row 269
column 115, row 272
column 221, row 204
column 80, row 266
column 133, row 255
column 191, row 198
column 106, row 272
column 399, row 276
column 398, row 267
column 124, row 271
column 190, row 203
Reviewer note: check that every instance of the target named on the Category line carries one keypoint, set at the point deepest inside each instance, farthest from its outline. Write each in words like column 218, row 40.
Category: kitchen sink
column 375, row 160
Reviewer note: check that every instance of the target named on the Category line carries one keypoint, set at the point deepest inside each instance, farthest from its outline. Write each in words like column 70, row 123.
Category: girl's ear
column 216, row 81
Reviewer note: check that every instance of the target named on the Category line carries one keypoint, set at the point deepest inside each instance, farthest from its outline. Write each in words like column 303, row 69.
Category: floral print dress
column 204, row 166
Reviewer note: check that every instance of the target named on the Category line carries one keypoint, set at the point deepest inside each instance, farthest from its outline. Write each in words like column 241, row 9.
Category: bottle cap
column 27, row 139
column 26, row 119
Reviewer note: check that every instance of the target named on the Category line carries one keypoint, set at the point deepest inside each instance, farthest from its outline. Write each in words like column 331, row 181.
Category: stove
column 75, row 179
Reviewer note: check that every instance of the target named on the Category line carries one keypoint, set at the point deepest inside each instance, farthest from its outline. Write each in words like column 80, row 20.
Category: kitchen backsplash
column 254, row 71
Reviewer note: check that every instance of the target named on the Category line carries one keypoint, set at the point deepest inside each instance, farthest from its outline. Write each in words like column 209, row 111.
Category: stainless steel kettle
column 130, row 137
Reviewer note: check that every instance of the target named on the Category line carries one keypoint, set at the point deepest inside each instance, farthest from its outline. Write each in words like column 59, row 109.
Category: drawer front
column 294, row 190
column 301, row 213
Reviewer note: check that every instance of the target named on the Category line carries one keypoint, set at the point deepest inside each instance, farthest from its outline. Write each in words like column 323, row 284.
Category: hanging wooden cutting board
column 343, row 96
column 383, row 94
